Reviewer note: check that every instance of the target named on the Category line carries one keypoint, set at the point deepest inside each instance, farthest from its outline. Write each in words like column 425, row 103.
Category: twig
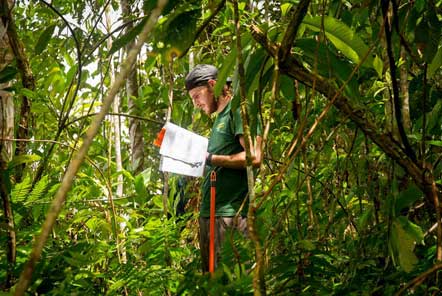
column 160, row 123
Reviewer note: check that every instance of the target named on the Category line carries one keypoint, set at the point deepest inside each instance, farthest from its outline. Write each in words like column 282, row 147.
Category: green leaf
column 307, row 245
column 44, row 39
column 225, row 71
column 435, row 143
column 343, row 37
column 7, row 74
column 20, row 191
column 139, row 186
column 180, row 31
column 429, row 32
column 23, row 159
column 419, row 5
column 328, row 65
column 28, row 93
column 433, row 117
column 117, row 285
column 287, row 87
column 413, row 230
column 128, row 37
column 285, row 8
column 39, row 190
column 435, row 64
column 149, row 5
column 404, row 236
column 254, row 63
column 378, row 65
column 407, row 197
column 141, row 182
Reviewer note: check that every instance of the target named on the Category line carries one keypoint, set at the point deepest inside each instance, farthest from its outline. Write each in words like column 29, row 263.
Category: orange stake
column 212, row 222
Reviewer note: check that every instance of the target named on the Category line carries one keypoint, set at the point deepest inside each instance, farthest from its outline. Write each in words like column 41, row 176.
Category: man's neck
column 222, row 102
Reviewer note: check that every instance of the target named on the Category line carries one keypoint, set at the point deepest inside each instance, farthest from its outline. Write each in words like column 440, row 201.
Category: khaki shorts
column 221, row 226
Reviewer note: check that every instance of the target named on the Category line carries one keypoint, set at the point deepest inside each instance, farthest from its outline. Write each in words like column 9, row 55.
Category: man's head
column 200, row 75
column 199, row 83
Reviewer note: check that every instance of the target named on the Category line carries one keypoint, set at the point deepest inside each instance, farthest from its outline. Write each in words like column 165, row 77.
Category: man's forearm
column 238, row 160
column 234, row 161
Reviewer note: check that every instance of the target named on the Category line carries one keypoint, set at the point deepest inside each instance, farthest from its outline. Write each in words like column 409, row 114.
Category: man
column 226, row 155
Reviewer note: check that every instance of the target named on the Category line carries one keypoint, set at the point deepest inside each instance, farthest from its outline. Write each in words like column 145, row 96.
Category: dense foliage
column 347, row 197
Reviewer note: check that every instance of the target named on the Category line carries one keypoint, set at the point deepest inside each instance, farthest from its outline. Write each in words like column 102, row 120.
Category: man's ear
column 211, row 82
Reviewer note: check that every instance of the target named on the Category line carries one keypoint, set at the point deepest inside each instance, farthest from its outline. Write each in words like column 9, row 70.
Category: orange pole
column 212, row 222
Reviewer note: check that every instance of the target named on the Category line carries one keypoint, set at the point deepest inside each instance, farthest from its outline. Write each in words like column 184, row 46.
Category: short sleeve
column 237, row 122
column 255, row 126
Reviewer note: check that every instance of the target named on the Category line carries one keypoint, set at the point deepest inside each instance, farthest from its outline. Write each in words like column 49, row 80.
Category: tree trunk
column 6, row 149
column 7, row 131
column 135, row 127
column 115, row 127
column 27, row 78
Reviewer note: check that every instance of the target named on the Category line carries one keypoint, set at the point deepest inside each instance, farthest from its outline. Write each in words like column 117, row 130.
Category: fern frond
column 39, row 190
column 20, row 190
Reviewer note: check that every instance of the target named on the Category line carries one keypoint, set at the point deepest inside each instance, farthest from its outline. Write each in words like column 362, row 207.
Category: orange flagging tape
column 159, row 138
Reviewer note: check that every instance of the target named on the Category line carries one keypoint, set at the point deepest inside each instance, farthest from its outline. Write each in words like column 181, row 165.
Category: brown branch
column 419, row 279
column 68, row 178
column 292, row 29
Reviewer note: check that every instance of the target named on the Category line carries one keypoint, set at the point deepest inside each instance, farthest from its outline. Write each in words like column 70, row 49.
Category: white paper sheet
column 183, row 152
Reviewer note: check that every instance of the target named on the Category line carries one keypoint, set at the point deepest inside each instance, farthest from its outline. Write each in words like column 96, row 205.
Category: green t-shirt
column 231, row 184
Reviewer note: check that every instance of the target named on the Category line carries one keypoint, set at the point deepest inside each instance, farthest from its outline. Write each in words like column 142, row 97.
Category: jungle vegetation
column 346, row 202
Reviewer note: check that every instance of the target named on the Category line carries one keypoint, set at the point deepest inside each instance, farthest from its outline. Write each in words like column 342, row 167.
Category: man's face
column 203, row 98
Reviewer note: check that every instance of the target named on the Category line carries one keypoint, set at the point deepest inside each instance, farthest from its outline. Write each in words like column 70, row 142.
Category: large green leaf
column 23, row 159
column 252, row 69
column 225, row 70
column 7, row 74
column 343, row 37
column 435, row 64
column 404, row 236
column 149, row 5
column 44, row 39
column 180, row 30
column 328, row 65
column 407, row 197
column 428, row 34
